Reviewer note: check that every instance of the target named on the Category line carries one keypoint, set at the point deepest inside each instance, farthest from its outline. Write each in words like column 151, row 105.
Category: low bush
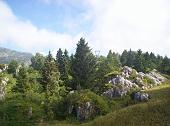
column 20, row 111
column 147, row 80
column 79, row 98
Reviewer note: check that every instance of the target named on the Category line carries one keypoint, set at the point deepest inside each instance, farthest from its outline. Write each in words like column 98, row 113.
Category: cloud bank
column 115, row 24
column 125, row 24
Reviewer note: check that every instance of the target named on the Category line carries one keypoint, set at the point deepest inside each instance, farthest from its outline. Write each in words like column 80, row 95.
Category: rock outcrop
column 131, row 79
column 3, row 83
column 138, row 96
column 83, row 111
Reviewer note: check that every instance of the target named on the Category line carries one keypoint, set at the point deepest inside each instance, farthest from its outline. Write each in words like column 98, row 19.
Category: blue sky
column 42, row 25
column 47, row 15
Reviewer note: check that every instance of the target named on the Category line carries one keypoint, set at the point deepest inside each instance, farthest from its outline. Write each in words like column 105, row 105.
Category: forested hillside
column 79, row 87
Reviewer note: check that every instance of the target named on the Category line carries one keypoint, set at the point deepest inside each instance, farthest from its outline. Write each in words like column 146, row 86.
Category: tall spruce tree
column 66, row 56
column 67, row 67
column 22, row 83
column 50, row 76
column 51, row 84
column 106, row 66
column 37, row 62
column 62, row 62
column 12, row 67
column 113, row 61
column 165, row 65
column 84, row 65
column 130, row 58
column 124, row 57
column 139, row 61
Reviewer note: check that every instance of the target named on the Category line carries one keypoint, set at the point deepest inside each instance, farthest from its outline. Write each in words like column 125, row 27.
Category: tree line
column 53, row 78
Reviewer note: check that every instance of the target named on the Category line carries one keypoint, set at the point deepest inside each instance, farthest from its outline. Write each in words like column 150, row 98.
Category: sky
column 43, row 25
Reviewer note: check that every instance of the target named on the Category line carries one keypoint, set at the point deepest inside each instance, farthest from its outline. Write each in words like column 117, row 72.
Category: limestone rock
column 123, row 83
column 3, row 84
column 138, row 96
column 83, row 111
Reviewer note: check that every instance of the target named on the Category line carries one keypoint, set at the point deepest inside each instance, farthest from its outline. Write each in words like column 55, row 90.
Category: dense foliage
column 47, row 88
column 145, row 61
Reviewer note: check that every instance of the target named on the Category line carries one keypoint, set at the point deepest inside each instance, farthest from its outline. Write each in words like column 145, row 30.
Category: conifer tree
column 50, row 76
column 124, row 57
column 51, row 84
column 139, row 61
column 113, row 60
column 22, row 83
column 12, row 67
column 62, row 62
column 130, row 58
column 37, row 62
column 84, row 65
column 165, row 65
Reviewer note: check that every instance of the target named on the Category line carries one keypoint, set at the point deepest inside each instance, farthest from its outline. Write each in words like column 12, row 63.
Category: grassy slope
column 155, row 112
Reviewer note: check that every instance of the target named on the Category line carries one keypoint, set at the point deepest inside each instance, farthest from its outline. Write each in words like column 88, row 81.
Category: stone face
column 141, row 75
column 30, row 112
column 138, row 96
column 3, row 84
column 83, row 111
column 139, row 82
column 126, row 71
column 3, row 67
column 122, row 83
column 115, row 92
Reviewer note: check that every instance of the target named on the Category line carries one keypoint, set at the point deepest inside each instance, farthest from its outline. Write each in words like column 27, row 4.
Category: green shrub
column 133, row 75
column 60, row 109
column 147, row 80
column 14, row 112
column 81, row 97
column 166, row 76
column 112, row 74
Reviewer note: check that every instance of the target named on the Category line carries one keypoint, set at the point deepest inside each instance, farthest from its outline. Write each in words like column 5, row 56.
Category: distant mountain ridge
column 7, row 55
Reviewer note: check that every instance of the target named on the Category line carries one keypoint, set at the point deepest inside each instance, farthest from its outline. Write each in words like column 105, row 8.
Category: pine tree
column 37, row 62
column 22, row 83
column 124, row 57
column 165, row 65
column 112, row 62
column 51, row 84
column 153, row 64
column 146, row 62
column 62, row 62
column 12, row 67
column 67, row 67
column 130, row 58
column 84, row 64
column 66, row 56
column 50, row 76
column 138, row 62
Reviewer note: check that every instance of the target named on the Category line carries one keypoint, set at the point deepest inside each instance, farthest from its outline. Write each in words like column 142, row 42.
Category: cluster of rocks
column 3, row 67
column 131, row 79
column 83, row 111
column 3, row 83
column 115, row 92
column 138, row 96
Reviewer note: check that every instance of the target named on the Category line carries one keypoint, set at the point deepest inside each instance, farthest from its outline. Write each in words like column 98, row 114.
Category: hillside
column 86, row 90
column 7, row 55
column 155, row 112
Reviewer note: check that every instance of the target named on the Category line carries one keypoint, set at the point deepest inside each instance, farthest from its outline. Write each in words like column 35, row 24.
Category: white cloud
column 25, row 35
column 116, row 25
column 125, row 24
